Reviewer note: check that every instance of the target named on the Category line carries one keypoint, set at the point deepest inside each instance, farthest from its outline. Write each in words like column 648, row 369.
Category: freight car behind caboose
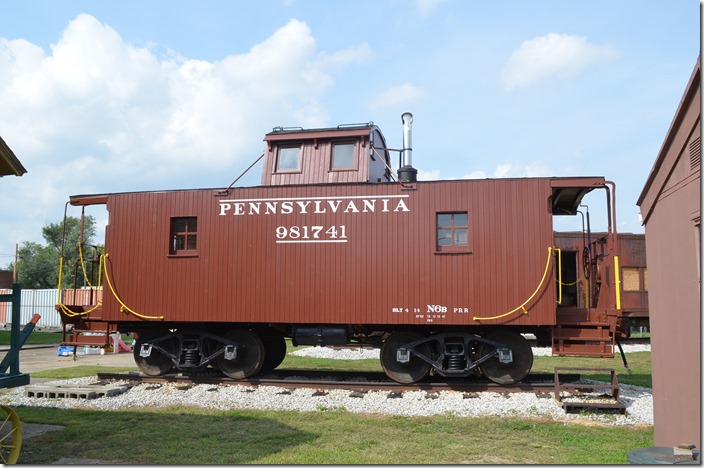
column 579, row 248
column 334, row 248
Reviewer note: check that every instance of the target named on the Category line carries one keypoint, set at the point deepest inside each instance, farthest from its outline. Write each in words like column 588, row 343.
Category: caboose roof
column 298, row 133
column 567, row 192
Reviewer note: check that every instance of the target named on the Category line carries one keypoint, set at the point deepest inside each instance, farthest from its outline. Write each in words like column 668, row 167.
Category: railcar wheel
column 249, row 358
column 412, row 371
column 274, row 351
column 157, row 363
column 513, row 372
column 10, row 437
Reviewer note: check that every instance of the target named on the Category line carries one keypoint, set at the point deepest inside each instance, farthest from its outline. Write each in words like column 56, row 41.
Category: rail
column 536, row 383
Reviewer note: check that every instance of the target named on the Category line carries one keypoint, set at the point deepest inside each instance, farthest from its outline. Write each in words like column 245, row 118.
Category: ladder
column 596, row 395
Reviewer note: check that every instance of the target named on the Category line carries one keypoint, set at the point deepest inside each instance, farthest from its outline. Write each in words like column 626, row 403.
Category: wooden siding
column 387, row 272
column 315, row 166
column 316, row 163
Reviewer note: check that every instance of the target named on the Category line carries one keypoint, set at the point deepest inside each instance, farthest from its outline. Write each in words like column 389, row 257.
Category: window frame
column 453, row 247
column 187, row 234
column 355, row 156
column 640, row 272
column 299, row 160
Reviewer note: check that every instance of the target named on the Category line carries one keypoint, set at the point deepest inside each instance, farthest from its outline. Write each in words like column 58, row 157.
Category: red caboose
column 332, row 250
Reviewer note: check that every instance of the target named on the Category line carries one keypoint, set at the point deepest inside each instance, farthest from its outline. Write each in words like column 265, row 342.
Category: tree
column 38, row 266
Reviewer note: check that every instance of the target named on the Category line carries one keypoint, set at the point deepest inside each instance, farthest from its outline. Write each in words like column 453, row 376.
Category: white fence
column 33, row 301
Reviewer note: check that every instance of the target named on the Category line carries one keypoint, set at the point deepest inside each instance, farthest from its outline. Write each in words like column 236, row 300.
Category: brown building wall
column 670, row 206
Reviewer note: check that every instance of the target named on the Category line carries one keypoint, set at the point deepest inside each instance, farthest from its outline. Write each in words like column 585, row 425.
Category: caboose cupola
column 344, row 154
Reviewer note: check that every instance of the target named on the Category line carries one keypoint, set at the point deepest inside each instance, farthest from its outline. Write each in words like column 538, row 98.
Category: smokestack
column 407, row 173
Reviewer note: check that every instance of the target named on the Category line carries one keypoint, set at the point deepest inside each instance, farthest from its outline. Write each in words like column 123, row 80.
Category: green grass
column 79, row 371
column 313, row 363
column 37, row 337
column 197, row 436
column 34, row 338
column 639, row 364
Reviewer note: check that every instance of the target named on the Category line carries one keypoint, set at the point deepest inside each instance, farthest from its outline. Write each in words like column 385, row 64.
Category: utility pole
column 14, row 264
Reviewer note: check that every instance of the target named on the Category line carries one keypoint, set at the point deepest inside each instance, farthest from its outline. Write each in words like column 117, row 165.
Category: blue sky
column 101, row 97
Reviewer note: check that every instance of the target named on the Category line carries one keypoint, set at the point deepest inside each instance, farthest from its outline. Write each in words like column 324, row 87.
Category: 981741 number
column 293, row 234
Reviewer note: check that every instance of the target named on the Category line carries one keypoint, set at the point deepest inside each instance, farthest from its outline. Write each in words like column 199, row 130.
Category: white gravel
column 365, row 353
column 638, row 401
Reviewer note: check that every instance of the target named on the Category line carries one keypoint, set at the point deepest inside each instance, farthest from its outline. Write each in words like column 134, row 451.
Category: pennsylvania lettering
column 315, row 205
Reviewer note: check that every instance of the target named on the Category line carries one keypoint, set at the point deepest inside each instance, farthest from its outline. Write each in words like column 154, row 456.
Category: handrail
column 68, row 312
column 124, row 306
column 617, row 282
column 102, row 269
column 522, row 306
column 83, row 267
column 559, row 274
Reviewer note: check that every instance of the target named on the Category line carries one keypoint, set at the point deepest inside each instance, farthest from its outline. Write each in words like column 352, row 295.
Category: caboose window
column 289, row 159
column 184, row 235
column 634, row 278
column 343, row 156
column 452, row 231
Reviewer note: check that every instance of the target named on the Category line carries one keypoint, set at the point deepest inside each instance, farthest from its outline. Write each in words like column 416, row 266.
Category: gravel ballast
column 638, row 401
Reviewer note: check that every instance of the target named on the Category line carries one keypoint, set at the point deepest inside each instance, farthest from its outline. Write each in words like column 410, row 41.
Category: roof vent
column 695, row 154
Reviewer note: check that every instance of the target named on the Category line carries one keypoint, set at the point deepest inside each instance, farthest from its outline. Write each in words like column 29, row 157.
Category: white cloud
column 357, row 54
column 516, row 170
column 397, row 96
column 91, row 60
column 504, row 170
column 429, row 175
column 19, row 57
column 475, row 175
column 97, row 114
column 138, row 114
column 554, row 56
column 123, row 105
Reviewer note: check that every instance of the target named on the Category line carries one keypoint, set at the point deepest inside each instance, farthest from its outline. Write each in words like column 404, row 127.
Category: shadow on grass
column 175, row 436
